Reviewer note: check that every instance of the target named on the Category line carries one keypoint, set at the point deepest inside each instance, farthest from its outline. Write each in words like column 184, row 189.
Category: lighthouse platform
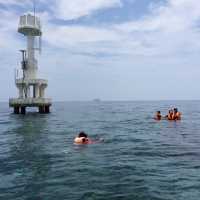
column 20, row 104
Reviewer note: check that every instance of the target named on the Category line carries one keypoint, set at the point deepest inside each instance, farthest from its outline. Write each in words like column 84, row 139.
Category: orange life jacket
column 81, row 140
column 178, row 116
column 170, row 116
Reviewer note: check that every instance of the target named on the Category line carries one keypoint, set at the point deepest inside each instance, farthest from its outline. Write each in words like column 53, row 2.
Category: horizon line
column 101, row 100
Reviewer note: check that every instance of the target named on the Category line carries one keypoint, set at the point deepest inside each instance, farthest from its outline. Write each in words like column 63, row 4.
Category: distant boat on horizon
column 97, row 100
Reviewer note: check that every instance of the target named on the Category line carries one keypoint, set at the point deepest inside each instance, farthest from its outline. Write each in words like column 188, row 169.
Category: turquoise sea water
column 140, row 159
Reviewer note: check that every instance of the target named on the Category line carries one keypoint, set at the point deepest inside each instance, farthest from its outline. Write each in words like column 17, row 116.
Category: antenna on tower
column 34, row 7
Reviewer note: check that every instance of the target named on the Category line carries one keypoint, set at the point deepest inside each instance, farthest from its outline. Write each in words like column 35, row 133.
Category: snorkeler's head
column 158, row 112
column 82, row 134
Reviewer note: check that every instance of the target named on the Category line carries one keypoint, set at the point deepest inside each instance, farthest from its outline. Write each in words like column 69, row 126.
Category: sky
column 108, row 49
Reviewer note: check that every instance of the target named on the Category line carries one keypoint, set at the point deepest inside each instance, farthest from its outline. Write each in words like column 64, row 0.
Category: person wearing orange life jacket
column 82, row 138
column 158, row 116
column 169, row 116
column 176, row 114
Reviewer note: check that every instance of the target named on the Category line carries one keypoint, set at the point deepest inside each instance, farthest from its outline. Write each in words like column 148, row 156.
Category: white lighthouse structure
column 31, row 89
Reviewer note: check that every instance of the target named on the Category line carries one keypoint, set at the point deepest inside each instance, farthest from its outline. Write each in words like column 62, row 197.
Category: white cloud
column 8, row 28
column 25, row 4
column 74, row 35
column 74, row 9
column 175, row 16
column 14, row 2
column 169, row 29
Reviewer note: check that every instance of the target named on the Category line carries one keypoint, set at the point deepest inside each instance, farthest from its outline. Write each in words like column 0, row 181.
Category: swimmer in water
column 170, row 115
column 176, row 114
column 158, row 116
column 82, row 138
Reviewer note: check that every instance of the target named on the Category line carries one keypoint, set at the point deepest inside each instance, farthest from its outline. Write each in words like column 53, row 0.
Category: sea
column 137, row 157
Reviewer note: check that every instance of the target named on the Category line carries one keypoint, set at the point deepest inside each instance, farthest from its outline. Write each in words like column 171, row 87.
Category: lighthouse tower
column 31, row 89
